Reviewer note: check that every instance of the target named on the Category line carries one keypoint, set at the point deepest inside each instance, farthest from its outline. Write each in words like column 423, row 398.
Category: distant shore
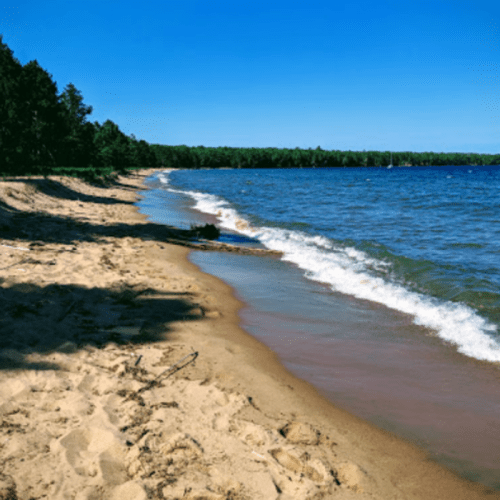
column 124, row 373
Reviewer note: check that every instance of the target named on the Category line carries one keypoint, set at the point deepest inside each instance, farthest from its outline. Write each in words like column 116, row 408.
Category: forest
column 44, row 132
column 203, row 157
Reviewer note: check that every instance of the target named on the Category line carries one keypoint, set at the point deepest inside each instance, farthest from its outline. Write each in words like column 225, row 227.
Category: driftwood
column 224, row 247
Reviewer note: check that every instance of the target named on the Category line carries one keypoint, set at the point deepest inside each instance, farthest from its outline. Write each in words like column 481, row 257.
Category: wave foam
column 347, row 270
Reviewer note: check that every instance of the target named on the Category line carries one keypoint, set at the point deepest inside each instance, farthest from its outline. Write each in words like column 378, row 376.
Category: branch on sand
column 166, row 373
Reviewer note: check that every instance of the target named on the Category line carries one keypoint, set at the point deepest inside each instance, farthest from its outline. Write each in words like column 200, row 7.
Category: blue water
column 424, row 241
column 408, row 300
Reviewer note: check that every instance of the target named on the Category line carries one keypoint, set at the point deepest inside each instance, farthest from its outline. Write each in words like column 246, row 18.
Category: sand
column 124, row 373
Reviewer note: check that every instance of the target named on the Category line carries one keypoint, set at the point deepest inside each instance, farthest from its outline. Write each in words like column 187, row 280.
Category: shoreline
column 232, row 424
column 393, row 382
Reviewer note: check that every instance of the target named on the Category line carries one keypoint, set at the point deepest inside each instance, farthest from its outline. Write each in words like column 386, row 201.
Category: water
column 386, row 299
column 423, row 241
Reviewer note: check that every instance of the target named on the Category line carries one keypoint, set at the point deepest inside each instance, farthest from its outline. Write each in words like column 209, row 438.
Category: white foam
column 348, row 270
column 163, row 176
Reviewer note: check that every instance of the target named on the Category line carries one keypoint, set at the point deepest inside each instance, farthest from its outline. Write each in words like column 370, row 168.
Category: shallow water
column 423, row 241
column 372, row 362
column 368, row 358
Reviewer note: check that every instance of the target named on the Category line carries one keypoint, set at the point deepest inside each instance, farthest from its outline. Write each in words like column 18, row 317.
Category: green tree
column 112, row 146
column 370, row 159
column 142, row 155
column 41, row 116
column 77, row 146
column 10, row 113
column 349, row 159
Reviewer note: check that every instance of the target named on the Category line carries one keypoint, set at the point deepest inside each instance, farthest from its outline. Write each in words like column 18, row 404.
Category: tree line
column 43, row 131
column 204, row 157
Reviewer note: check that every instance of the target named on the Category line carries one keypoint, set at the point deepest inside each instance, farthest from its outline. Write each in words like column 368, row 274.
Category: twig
column 22, row 261
column 138, row 360
column 174, row 368
column 195, row 442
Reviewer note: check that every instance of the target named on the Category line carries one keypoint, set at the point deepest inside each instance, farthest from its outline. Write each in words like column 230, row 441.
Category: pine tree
column 10, row 119
column 78, row 145
column 41, row 116
column 112, row 146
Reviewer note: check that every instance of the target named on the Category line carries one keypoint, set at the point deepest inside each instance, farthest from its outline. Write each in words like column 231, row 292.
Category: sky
column 398, row 75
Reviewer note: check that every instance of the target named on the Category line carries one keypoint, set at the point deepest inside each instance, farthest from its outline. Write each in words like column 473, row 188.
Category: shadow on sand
column 66, row 318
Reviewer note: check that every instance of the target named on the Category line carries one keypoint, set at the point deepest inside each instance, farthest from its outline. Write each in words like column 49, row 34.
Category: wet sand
column 124, row 373
column 373, row 362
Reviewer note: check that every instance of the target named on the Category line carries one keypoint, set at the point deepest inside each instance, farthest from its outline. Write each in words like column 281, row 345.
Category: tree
column 112, row 146
column 10, row 113
column 144, row 156
column 41, row 116
column 296, row 158
column 77, row 148
column 349, row 160
column 77, row 112
column 370, row 159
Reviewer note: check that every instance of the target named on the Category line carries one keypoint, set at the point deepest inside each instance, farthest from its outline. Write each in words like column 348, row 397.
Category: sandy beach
column 124, row 373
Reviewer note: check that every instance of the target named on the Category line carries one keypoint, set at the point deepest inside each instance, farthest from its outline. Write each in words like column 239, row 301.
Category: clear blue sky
column 419, row 75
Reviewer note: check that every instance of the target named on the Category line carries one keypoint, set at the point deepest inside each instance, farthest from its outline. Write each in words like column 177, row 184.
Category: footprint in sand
column 181, row 447
column 255, row 435
column 76, row 443
column 315, row 471
column 300, row 433
column 351, row 476
column 95, row 452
